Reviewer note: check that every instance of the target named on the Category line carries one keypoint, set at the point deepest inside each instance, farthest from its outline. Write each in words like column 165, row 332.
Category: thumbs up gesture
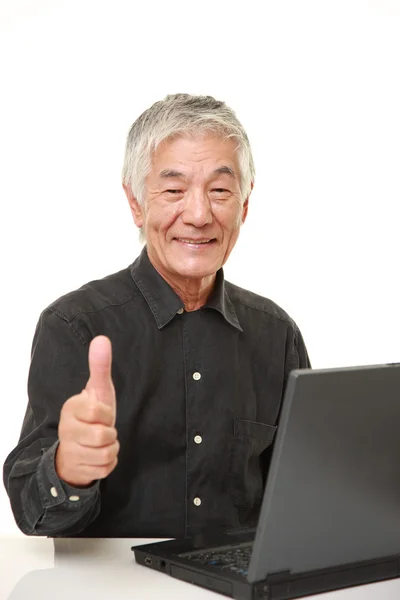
column 88, row 445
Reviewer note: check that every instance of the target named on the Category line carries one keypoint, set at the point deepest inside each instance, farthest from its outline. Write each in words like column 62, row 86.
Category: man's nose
column 197, row 209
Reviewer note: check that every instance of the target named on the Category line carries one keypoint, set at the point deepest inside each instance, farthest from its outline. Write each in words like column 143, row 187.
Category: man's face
column 192, row 209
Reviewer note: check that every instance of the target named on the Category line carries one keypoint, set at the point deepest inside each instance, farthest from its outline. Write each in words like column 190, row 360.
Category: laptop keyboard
column 234, row 559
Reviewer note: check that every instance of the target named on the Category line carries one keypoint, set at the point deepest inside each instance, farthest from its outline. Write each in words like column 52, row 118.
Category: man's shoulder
column 110, row 291
column 241, row 297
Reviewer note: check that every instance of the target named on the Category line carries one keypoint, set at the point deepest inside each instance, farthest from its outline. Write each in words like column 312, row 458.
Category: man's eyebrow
column 165, row 173
column 172, row 173
column 225, row 169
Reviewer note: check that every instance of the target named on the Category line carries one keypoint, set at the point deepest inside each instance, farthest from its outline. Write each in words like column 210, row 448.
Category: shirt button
column 53, row 492
column 74, row 498
column 180, row 311
column 198, row 439
column 197, row 501
column 196, row 376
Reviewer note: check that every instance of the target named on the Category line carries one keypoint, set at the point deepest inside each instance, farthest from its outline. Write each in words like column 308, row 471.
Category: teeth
column 193, row 241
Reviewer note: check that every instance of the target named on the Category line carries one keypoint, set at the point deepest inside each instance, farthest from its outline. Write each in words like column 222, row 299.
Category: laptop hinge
column 262, row 589
column 278, row 577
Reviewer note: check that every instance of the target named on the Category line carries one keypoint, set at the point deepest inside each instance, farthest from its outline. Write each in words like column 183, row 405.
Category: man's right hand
column 88, row 447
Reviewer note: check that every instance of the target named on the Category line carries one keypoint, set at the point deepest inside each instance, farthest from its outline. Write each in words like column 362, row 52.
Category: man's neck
column 194, row 293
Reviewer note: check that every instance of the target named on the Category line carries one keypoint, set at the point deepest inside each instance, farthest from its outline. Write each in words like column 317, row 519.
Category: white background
column 316, row 85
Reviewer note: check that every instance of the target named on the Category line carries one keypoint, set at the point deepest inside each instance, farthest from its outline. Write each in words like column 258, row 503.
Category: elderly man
column 173, row 434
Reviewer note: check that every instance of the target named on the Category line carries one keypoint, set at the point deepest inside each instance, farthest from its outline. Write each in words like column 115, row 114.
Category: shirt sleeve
column 298, row 356
column 43, row 504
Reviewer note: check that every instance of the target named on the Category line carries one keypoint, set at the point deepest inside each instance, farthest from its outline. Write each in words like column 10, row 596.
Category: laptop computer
column 330, row 516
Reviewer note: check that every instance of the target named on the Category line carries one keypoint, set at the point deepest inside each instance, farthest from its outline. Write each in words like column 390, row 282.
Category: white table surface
column 99, row 569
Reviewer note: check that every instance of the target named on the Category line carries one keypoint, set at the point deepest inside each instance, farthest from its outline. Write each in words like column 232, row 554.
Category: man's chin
column 195, row 275
column 195, row 269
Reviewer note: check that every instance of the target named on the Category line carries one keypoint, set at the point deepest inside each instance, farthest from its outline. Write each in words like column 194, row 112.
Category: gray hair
column 180, row 114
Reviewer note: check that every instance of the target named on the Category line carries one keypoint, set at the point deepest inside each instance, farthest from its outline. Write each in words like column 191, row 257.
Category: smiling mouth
column 199, row 242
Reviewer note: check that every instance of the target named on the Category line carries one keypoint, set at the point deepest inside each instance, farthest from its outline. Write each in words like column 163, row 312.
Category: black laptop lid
column 333, row 491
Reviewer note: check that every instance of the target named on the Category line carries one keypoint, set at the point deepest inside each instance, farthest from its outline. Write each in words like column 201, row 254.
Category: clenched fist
column 88, row 447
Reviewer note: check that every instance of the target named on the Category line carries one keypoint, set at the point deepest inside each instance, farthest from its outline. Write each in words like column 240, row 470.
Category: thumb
column 100, row 359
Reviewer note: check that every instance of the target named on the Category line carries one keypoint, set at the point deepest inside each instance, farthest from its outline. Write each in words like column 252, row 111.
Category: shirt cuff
column 53, row 491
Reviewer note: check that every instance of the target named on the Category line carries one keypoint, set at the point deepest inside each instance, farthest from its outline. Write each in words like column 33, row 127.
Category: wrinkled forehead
column 185, row 155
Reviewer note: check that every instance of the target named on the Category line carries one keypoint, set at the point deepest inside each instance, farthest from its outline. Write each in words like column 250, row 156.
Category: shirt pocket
column 250, row 439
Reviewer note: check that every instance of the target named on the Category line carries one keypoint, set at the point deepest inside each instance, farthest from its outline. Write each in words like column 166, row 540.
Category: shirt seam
column 89, row 312
column 63, row 317
column 294, row 352
column 287, row 320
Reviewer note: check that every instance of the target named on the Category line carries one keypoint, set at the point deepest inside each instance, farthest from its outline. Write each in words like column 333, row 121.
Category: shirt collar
column 164, row 303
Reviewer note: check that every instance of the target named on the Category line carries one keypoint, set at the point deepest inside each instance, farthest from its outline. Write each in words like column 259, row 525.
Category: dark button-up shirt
column 198, row 400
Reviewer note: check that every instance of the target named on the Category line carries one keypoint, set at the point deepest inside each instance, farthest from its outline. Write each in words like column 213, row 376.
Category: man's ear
column 246, row 205
column 136, row 209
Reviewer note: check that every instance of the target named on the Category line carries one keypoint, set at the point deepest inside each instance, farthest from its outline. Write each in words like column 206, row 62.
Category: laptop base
column 167, row 558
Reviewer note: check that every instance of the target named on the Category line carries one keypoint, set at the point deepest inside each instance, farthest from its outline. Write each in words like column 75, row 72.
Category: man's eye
column 174, row 191
column 220, row 190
